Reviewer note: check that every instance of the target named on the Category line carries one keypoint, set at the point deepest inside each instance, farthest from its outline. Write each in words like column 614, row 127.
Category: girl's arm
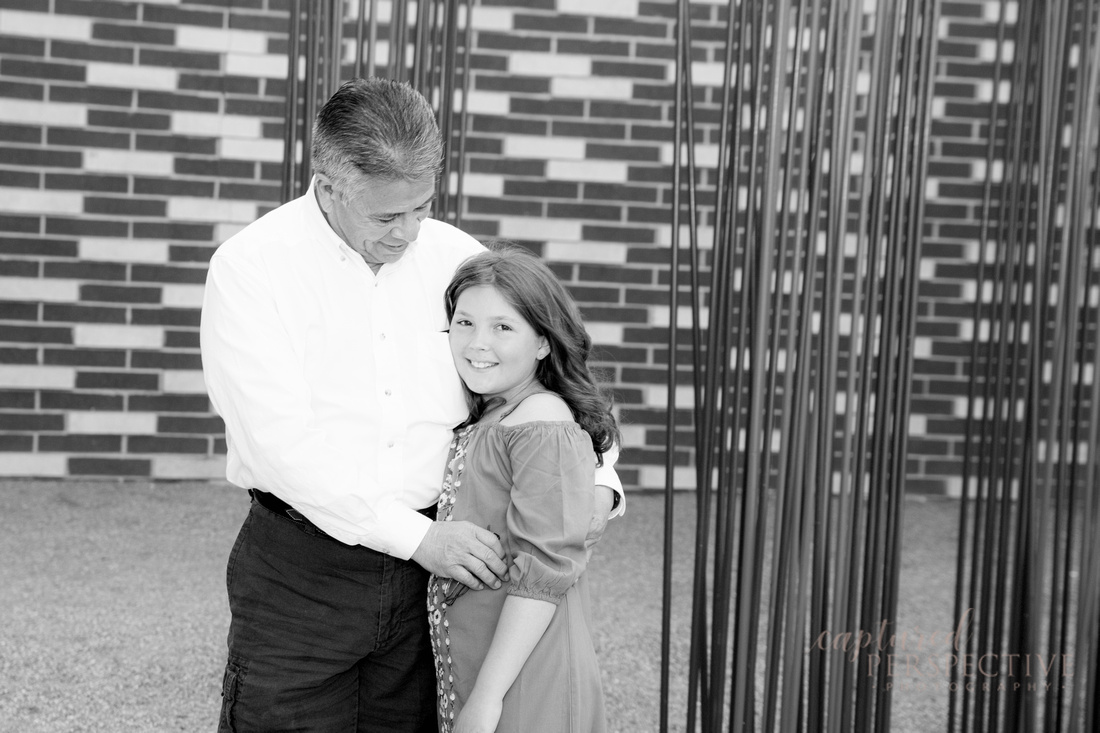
column 522, row 623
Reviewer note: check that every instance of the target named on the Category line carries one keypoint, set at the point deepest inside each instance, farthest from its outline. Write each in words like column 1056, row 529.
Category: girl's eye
column 504, row 327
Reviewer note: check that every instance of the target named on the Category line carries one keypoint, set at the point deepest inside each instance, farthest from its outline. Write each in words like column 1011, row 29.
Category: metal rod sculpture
column 811, row 304
column 430, row 50
column 1027, row 577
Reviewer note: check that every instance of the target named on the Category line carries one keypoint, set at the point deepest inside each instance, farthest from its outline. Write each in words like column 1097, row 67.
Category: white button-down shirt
column 336, row 384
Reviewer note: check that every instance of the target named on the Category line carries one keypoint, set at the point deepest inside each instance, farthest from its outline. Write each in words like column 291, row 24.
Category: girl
column 521, row 658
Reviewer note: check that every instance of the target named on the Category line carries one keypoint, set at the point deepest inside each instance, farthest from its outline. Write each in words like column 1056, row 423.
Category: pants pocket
column 231, row 690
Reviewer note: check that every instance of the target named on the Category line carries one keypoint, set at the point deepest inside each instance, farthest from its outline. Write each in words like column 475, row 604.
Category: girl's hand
column 479, row 715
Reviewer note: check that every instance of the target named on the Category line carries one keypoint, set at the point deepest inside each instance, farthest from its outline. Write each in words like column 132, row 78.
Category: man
column 325, row 351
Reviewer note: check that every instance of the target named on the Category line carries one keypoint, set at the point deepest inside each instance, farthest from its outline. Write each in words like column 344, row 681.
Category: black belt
column 277, row 505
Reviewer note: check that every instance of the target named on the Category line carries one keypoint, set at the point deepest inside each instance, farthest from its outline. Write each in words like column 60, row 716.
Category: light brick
column 37, row 377
column 704, row 236
column 128, row 161
column 544, row 148
column 179, row 381
column 488, row 103
column 132, row 77
column 479, row 184
column 540, row 229
column 219, row 39
column 549, row 64
column 112, row 423
column 41, row 25
column 633, row 435
column 33, row 464
column 225, row 230
column 43, row 113
column 215, row 125
column 706, row 155
column 33, row 201
column 268, row 151
column 603, row 8
column 123, row 250
column 267, row 65
column 587, row 170
column 194, row 209
column 653, row 477
column 658, row 316
column 703, row 73
column 605, row 333
column 610, row 254
column 601, row 89
column 182, row 296
column 184, row 467
column 46, row 291
column 492, row 19
column 118, row 336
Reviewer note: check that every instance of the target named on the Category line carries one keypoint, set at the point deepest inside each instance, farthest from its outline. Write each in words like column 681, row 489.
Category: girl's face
column 495, row 350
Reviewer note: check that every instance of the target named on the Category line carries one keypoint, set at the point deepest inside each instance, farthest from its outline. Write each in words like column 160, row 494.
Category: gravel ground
column 114, row 613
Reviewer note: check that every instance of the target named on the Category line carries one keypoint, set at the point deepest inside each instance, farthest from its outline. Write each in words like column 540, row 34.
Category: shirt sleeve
column 551, row 507
column 254, row 383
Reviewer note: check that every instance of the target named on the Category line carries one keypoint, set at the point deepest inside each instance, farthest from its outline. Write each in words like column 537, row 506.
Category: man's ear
column 326, row 193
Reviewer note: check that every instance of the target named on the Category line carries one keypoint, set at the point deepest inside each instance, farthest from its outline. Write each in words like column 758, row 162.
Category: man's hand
column 461, row 550
column 601, row 511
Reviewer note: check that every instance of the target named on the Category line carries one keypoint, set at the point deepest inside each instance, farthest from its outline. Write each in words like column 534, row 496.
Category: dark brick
column 177, row 144
column 250, row 22
column 221, row 83
column 174, row 230
column 183, row 253
column 17, row 356
column 513, row 83
column 625, row 110
column 216, row 168
column 137, row 34
column 617, row 234
column 41, row 70
column 644, row 153
column 162, row 444
column 512, row 42
column 615, row 274
column 128, row 120
column 124, row 206
column 41, row 158
column 629, row 70
column 557, row 23
column 80, row 401
column 631, row 28
column 98, row 9
column 178, row 16
column 33, row 421
column 511, row 207
column 87, row 227
column 19, row 268
column 119, row 294
column 583, row 211
column 586, row 47
column 91, row 95
column 179, row 59
column 508, row 166
column 256, row 108
column 35, row 334
column 182, row 102
column 16, row 399
column 517, row 125
column 250, row 192
column 174, row 187
column 21, row 134
column 84, row 138
column 21, row 46
column 86, row 270
column 11, row 311
column 594, row 294
column 87, row 182
column 615, row 314
column 569, row 128
column 80, row 443
column 86, row 357
column 117, row 380
column 212, row 425
column 168, row 403
column 545, row 107
column 619, row 192
column 35, row 6
column 37, row 247
column 543, row 188
column 16, row 443
column 109, row 467
column 167, row 274
column 166, row 317
column 181, row 339
column 82, row 313
column 91, row 52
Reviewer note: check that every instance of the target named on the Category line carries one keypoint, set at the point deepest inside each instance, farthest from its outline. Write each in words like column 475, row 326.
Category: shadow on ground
column 115, row 611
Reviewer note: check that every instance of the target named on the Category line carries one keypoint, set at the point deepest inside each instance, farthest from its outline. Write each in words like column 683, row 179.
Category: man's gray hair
column 376, row 128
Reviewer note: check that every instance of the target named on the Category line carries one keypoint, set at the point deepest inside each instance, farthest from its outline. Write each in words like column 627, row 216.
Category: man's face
column 381, row 219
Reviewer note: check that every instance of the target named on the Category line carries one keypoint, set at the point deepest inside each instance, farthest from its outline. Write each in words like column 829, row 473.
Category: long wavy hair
column 534, row 291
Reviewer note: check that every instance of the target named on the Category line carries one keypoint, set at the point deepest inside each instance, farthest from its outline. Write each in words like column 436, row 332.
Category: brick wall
column 135, row 136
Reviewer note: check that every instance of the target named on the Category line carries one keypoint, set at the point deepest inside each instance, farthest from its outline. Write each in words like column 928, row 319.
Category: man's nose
column 407, row 227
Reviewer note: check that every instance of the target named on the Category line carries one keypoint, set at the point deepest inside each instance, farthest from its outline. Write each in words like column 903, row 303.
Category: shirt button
column 390, row 444
column 389, row 392
column 381, row 337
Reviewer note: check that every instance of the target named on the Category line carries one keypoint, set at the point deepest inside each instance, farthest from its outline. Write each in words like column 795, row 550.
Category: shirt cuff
column 404, row 530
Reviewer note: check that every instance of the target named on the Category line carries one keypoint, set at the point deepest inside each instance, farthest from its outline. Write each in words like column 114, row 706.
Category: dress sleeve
column 553, row 468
